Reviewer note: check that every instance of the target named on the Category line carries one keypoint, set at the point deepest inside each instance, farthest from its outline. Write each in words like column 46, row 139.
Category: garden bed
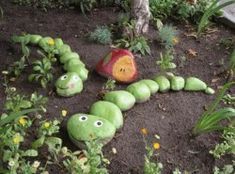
column 171, row 115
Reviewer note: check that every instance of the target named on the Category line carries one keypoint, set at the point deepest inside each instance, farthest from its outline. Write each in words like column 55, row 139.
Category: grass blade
column 213, row 8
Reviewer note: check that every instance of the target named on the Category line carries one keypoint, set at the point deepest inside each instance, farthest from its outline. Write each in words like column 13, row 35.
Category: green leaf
column 36, row 68
column 15, row 115
column 30, row 153
column 38, row 143
column 54, row 144
column 32, row 77
column 25, row 104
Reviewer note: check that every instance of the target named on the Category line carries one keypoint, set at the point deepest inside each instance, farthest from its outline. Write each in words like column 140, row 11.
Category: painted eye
column 63, row 77
column 98, row 123
column 75, row 78
column 83, row 118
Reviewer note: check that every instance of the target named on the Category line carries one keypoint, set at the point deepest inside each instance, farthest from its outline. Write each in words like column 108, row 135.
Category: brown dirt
column 173, row 124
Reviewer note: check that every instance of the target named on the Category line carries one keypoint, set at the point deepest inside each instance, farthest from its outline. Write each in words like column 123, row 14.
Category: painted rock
column 84, row 127
column 69, row 84
column 119, row 65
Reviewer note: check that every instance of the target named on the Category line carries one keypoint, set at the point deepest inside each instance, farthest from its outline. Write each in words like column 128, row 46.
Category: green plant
column 231, row 65
column 227, row 169
column 212, row 9
column 150, row 167
column 84, row 5
column 42, row 72
column 136, row 44
column 227, row 146
column 17, row 67
column 38, row 101
column 109, row 85
column 229, row 99
column 209, row 120
column 168, row 36
column 165, row 61
column 43, row 4
column 14, row 101
column 124, row 4
column 161, row 9
column 91, row 162
column 102, row 34
column 228, row 43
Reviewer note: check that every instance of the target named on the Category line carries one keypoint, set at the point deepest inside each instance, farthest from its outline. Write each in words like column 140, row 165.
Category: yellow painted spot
column 124, row 69
column 51, row 42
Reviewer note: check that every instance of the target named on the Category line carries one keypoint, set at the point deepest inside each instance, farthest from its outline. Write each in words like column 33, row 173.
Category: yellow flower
column 46, row 125
column 51, row 42
column 156, row 146
column 64, row 113
column 22, row 121
column 17, row 138
column 144, row 131
column 175, row 40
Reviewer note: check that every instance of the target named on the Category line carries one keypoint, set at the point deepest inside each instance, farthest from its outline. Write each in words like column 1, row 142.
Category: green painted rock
column 163, row 82
column 64, row 48
column 194, row 84
column 80, row 70
column 209, row 90
column 44, row 42
column 140, row 91
column 70, row 63
column 69, row 84
column 84, row 127
column 68, row 55
column 108, row 111
column 123, row 99
column 152, row 85
column 58, row 43
column 177, row 83
column 34, row 39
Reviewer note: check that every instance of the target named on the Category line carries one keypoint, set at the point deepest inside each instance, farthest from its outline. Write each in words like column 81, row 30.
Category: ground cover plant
column 154, row 136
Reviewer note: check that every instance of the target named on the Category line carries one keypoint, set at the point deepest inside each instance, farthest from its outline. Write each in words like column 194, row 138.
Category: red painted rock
column 119, row 64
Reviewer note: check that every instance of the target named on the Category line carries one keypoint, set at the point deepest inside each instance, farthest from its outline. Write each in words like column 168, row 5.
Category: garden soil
column 170, row 115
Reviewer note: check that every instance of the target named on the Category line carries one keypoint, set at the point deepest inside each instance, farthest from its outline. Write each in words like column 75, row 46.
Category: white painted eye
column 83, row 118
column 75, row 78
column 63, row 77
column 98, row 123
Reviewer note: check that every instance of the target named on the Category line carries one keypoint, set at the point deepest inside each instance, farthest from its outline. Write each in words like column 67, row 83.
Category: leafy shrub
column 161, row 9
column 101, row 35
column 165, row 61
column 227, row 169
column 227, row 146
column 84, row 5
column 43, row 4
column 180, row 9
column 42, row 72
column 168, row 36
column 136, row 44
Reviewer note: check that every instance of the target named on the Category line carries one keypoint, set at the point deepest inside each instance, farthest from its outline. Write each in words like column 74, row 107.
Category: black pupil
column 99, row 123
column 83, row 118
